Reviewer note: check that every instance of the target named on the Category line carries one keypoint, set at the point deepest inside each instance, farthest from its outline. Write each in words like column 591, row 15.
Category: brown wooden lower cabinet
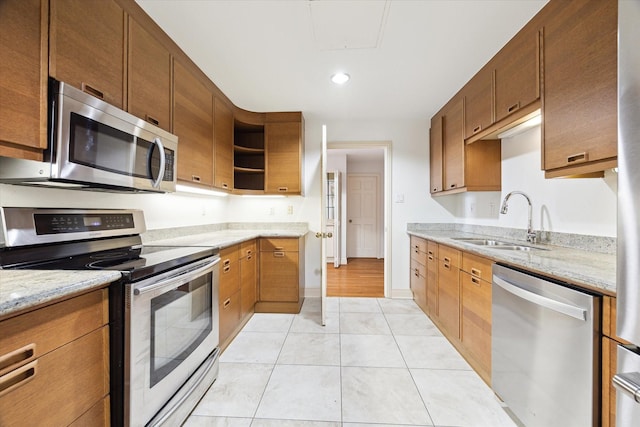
column 248, row 277
column 229, row 294
column 59, row 368
column 449, row 291
column 418, row 282
column 281, row 283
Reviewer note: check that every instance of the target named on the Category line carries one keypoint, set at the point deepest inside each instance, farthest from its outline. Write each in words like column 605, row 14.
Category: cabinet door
column 23, row 79
column 149, row 83
column 229, row 316
column 193, row 124
column 223, row 140
column 279, row 276
column 580, row 84
column 435, row 154
column 609, row 369
column 454, row 145
column 432, row 279
column 475, row 296
column 517, row 75
column 478, row 105
column 248, row 282
column 418, row 284
column 87, row 49
column 283, row 146
column 449, row 291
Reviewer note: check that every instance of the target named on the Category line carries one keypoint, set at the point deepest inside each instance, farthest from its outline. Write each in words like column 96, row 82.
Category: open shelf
column 248, row 156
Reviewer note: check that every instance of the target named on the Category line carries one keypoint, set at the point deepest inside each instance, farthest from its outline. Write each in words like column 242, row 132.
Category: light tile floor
column 377, row 362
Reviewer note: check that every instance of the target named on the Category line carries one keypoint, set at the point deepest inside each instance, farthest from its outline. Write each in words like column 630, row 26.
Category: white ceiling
column 406, row 58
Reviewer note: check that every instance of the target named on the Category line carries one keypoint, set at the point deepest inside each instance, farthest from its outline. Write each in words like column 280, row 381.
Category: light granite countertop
column 590, row 270
column 224, row 238
column 21, row 290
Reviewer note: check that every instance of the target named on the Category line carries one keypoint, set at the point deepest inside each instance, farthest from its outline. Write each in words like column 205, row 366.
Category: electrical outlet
column 472, row 208
column 290, row 209
column 272, row 210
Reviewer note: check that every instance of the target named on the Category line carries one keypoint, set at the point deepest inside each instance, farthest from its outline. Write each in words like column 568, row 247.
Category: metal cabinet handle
column 475, row 281
column 91, row 90
column 195, row 178
column 453, row 185
column 551, row 304
column 579, row 157
column 283, row 189
column 477, row 129
column 476, row 272
column 226, row 262
column 152, row 120
column 17, row 357
column 513, row 108
column 226, row 303
column 278, row 254
column 18, row 377
column 225, row 185
column 279, row 248
column 226, row 269
column 416, row 272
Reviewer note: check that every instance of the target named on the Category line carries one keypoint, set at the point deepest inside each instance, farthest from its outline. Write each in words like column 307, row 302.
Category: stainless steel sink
column 498, row 244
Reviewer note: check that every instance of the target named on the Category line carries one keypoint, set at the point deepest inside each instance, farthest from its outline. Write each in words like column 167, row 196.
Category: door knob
column 329, row 235
column 319, row 235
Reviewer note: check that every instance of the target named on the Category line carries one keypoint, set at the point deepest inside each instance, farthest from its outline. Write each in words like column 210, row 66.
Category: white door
column 362, row 208
column 333, row 212
column 323, row 228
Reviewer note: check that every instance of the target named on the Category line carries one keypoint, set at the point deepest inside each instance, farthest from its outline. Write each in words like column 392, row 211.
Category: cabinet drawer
column 229, row 315
column 247, row 248
column 419, row 244
column 477, row 266
column 229, row 255
column 38, row 332
column 432, row 250
column 229, row 280
column 419, row 267
column 65, row 383
column 272, row 244
column 449, row 256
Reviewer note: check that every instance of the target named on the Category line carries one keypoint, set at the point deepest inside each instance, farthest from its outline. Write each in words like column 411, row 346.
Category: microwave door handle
column 157, row 182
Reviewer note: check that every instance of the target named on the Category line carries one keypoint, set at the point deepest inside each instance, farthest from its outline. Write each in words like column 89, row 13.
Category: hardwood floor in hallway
column 361, row 277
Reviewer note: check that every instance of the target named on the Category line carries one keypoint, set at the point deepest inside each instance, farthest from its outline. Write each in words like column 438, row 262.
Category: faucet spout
column 531, row 235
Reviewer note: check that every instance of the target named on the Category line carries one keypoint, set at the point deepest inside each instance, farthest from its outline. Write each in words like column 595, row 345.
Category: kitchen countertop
column 21, row 290
column 224, row 238
column 24, row 289
column 591, row 270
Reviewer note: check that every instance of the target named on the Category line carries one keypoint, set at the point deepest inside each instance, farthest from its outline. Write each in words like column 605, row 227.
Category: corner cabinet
column 23, row 79
column 580, row 87
column 284, row 145
column 281, row 283
column 56, row 364
column 223, row 143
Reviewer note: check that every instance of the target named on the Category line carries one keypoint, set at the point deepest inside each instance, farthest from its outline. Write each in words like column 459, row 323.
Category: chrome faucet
column 531, row 235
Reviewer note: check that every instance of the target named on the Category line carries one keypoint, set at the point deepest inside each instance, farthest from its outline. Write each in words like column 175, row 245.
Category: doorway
column 364, row 264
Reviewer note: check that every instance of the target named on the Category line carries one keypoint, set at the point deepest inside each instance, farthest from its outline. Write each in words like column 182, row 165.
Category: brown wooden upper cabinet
column 455, row 165
column 284, row 142
column 517, row 73
column 478, row 93
column 435, row 153
column 193, row 124
column 580, row 87
column 149, row 78
column 87, row 47
column 23, row 79
column 223, row 142
column 453, row 145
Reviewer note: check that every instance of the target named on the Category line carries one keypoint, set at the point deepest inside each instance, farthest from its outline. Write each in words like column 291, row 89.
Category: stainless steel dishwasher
column 545, row 350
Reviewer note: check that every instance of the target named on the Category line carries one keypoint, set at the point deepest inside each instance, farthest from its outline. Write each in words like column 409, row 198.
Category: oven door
column 97, row 143
column 171, row 328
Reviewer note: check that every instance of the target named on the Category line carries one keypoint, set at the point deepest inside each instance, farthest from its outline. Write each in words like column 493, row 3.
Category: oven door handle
column 157, row 141
column 180, row 277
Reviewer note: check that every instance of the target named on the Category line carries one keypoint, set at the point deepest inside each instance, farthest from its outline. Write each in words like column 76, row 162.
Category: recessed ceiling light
column 340, row 78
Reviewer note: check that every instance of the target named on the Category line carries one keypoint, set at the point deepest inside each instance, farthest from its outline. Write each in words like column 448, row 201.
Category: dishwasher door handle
column 550, row 303
column 628, row 383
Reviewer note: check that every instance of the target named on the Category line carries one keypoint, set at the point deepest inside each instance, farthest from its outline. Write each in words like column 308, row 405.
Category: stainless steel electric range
column 163, row 312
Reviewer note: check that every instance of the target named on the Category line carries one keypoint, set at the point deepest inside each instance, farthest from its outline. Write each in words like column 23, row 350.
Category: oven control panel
column 75, row 223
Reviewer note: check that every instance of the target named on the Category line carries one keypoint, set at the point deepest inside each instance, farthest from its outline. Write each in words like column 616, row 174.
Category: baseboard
column 401, row 294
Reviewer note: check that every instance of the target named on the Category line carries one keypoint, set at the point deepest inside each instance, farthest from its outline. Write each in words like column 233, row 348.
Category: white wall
column 581, row 206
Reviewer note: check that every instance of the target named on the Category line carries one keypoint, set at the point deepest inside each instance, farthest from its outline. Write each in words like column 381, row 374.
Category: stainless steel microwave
column 92, row 144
